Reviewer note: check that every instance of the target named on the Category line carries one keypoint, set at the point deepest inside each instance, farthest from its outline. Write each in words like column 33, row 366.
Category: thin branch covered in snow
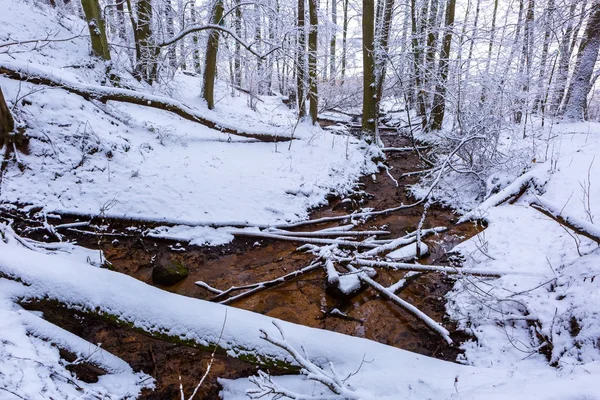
column 255, row 287
column 331, row 380
column 436, row 327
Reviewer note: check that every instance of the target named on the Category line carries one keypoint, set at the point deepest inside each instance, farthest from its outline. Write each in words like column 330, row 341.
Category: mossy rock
column 168, row 271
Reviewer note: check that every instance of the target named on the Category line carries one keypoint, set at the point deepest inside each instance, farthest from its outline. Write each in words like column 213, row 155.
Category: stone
column 168, row 271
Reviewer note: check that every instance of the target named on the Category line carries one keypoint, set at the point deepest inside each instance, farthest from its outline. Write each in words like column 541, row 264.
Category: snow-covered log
column 38, row 76
column 536, row 177
column 558, row 214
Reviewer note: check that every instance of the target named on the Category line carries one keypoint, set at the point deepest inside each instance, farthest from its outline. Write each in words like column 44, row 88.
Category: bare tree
column 439, row 100
column 210, row 64
column 580, row 82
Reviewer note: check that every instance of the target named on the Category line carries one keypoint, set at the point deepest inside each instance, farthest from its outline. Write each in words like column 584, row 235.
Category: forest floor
column 244, row 261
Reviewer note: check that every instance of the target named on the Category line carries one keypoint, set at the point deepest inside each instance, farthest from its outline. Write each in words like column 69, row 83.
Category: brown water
column 302, row 301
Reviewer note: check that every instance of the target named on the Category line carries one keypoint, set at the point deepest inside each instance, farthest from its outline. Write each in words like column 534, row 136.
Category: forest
column 299, row 199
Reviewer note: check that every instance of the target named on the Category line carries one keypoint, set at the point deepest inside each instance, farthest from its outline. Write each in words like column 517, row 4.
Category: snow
column 562, row 297
column 148, row 308
column 407, row 253
column 536, row 327
column 137, row 162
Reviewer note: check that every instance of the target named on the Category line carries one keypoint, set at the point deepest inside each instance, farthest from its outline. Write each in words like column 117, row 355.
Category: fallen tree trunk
column 103, row 94
column 577, row 225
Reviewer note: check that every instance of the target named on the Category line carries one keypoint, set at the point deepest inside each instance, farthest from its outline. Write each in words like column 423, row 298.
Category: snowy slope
column 558, row 312
column 137, row 161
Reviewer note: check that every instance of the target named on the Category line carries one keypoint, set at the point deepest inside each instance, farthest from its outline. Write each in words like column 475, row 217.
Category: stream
column 304, row 300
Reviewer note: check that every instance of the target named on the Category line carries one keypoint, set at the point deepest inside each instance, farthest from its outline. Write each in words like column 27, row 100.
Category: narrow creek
column 303, row 301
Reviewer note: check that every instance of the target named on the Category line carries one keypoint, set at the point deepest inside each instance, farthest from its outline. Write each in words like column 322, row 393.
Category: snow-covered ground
column 128, row 160
column 557, row 311
column 537, row 332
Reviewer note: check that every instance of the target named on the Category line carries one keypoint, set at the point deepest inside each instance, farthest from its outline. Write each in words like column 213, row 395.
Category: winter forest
column 299, row 199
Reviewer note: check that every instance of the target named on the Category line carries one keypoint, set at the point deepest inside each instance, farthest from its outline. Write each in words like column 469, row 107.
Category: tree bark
column 417, row 55
column 301, row 60
column 383, row 46
column 333, row 43
column 562, row 73
column 439, row 101
column 580, row 81
column 95, row 22
column 344, row 41
column 210, row 64
column 169, row 21
column 369, row 117
column 146, row 63
column 7, row 123
column 313, row 93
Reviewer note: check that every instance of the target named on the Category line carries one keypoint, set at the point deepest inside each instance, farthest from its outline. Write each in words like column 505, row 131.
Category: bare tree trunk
column 548, row 27
column 439, row 100
column 524, row 72
column 431, row 28
column 344, row 41
column 237, row 62
column 489, row 56
column 95, row 22
column 332, row 43
column 474, row 34
column 313, row 93
column 260, row 66
column 369, row 117
column 195, row 42
column 169, row 21
column 212, row 48
column 146, row 63
column 562, row 73
column 421, row 109
column 7, row 123
column 383, row 46
column 580, row 82
column 301, row 60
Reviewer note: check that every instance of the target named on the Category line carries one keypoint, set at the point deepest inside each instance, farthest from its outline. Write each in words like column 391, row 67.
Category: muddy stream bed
column 303, row 301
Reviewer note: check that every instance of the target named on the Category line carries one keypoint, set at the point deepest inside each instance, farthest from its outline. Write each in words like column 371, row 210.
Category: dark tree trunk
column 313, row 93
column 439, row 101
column 588, row 52
column 95, row 22
column 301, row 60
column 146, row 63
column 369, row 117
column 7, row 123
column 210, row 65
column 344, row 41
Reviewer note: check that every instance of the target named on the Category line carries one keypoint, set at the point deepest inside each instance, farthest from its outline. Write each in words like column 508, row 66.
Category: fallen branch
column 256, row 287
column 332, row 380
column 271, row 236
column 577, row 225
column 328, row 233
column 427, row 268
column 428, row 321
column 402, row 149
column 31, row 74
